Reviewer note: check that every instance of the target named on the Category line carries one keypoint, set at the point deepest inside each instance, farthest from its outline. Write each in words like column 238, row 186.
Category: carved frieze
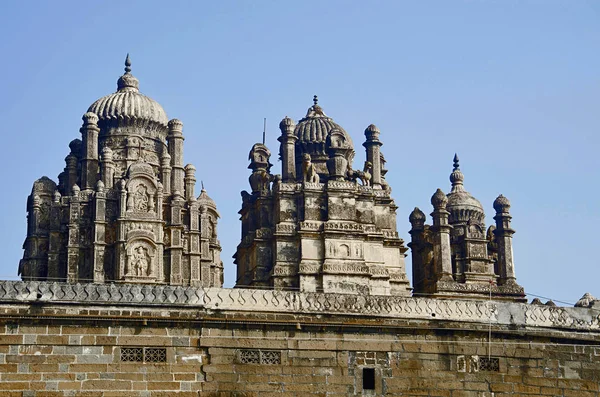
column 343, row 226
column 345, row 268
column 285, row 228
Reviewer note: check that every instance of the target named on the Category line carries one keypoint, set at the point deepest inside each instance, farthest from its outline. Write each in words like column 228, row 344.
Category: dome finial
column 315, row 100
column 457, row 177
column 127, row 64
column 128, row 81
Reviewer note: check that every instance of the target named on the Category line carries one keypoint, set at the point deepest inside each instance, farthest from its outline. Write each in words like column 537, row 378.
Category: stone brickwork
column 222, row 347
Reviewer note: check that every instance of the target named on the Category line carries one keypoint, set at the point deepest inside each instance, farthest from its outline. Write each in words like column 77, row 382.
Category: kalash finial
column 457, row 177
column 127, row 81
column 127, row 64
column 315, row 110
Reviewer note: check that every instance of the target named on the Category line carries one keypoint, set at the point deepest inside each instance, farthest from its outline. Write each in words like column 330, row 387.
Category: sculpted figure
column 140, row 262
column 141, row 199
column 308, row 170
column 366, row 175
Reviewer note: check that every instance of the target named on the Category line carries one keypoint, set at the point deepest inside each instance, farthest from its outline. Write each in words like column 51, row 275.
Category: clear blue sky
column 512, row 86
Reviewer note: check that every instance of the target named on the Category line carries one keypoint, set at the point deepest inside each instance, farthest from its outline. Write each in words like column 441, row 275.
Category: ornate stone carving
column 309, row 171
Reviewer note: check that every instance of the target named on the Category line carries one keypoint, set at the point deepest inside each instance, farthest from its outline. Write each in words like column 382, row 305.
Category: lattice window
column 155, row 355
column 490, row 364
column 144, row 354
column 266, row 357
column 249, row 356
column 132, row 354
column 270, row 357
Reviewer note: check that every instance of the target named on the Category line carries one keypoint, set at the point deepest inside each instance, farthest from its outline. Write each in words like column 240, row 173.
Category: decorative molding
column 246, row 300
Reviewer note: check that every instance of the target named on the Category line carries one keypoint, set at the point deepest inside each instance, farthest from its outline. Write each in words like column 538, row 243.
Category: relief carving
column 140, row 259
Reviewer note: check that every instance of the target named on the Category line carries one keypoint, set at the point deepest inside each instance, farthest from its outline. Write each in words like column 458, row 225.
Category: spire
column 456, row 177
column 127, row 82
column 315, row 110
column 127, row 64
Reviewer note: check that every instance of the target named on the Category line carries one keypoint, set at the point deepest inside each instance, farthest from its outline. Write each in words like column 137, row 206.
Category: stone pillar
column 71, row 171
column 205, row 247
column 288, row 150
column 89, row 162
column 175, row 143
column 442, row 254
column 159, row 202
column 31, row 246
column 190, row 182
column 99, row 232
column 372, row 144
column 54, row 271
column 417, row 221
column 194, row 248
column 73, row 236
column 122, row 199
column 175, row 229
column 166, row 173
column 503, row 235
column 108, row 168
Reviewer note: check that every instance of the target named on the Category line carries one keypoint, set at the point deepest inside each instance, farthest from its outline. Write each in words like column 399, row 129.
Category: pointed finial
column 315, row 100
column 457, row 177
column 264, row 129
column 127, row 64
column 202, row 184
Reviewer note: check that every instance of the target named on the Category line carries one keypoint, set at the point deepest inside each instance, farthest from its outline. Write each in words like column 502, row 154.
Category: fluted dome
column 128, row 107
column 463, row 207
column 312, row 131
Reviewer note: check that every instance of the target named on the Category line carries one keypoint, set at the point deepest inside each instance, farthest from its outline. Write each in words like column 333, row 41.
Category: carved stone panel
column 141, row 260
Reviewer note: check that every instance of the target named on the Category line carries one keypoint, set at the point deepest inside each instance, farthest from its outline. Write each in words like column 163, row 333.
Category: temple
column 314, row 227
column 124, row 208
column 122, row 289
column 456, row 256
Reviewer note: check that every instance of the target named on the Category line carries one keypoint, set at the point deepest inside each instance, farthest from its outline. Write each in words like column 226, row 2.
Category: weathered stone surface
column 274, row 301
column 455, row 256
column 314, row 228
column 124, row 209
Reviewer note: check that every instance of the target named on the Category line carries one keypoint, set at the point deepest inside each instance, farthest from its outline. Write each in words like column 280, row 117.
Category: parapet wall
column 124, row 340
column 271, row 301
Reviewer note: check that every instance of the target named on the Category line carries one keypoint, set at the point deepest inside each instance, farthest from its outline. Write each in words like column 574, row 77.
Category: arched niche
column 141, row 260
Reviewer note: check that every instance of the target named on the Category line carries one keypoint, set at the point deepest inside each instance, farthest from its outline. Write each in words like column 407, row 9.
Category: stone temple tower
column 455, row 256
column 124, row 209
column 314, row 227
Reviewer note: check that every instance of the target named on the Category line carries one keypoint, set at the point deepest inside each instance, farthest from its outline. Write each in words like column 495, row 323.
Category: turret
column 175, row 142
column 89, row 162
column 288, row 152
column 442, row 254
column 372, row 145
column 503, row 233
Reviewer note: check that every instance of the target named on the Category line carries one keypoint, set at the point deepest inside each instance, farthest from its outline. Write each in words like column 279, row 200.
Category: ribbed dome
column 313, row 129
column 128, row 106
column 462, row 206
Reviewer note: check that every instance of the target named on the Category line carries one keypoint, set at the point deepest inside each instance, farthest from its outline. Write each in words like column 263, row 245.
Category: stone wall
column 113, row 348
